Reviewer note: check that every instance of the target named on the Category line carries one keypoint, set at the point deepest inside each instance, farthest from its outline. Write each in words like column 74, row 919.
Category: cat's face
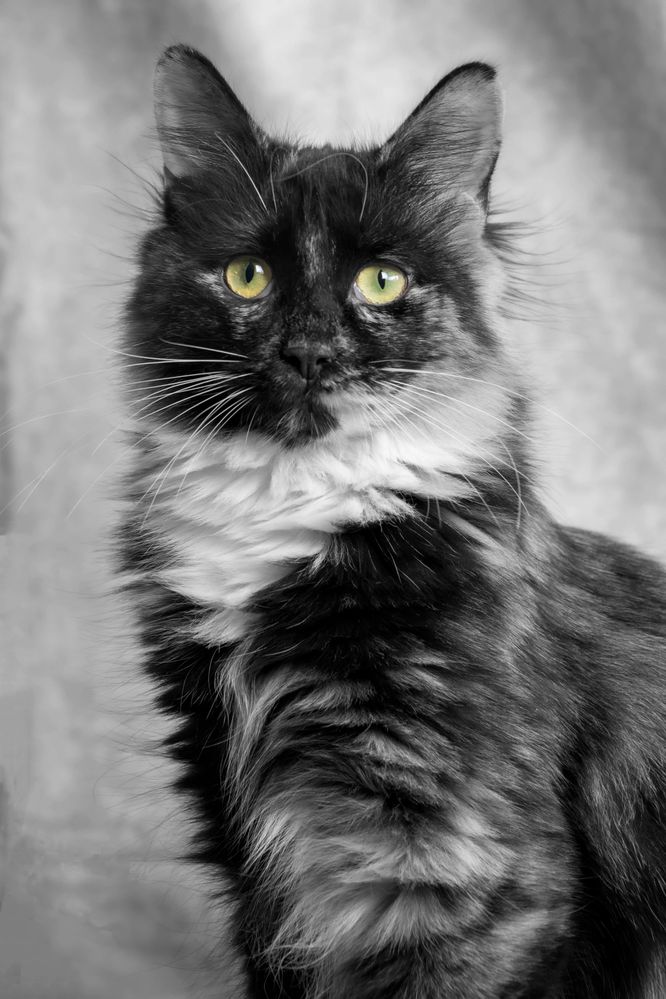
column 294, row 291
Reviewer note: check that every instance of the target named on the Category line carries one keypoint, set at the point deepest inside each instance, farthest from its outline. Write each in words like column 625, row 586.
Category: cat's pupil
column 381, row 279
column 249, row 273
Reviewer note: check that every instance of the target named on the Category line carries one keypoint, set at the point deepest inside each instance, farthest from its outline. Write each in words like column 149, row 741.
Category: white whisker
column 162, row 474
column 422, row 414
column 164, row 387
column 229, row 406
column 162, row 360
column 36, row 419
column 243, row 168
column 503, row 388
column 202, row 393
column 214, row 350
column 472, row 446
column 203, row 397
column 221, row 406
column 467, row 405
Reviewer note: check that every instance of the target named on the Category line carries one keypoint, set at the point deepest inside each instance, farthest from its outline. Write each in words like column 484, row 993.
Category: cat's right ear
column 200, row 121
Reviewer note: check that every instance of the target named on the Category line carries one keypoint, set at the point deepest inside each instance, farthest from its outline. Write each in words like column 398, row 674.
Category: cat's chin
column 309, row 423
column 303, row 415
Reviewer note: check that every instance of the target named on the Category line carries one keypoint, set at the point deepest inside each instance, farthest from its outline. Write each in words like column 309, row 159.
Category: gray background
column 95, row 902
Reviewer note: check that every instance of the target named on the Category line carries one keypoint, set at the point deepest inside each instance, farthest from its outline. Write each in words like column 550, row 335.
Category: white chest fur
column 238, row 513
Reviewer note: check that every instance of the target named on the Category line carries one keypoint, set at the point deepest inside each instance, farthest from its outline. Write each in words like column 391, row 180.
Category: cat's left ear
column 200, row 121
column 452, row 139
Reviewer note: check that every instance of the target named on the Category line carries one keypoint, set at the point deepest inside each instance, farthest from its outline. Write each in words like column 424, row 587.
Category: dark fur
column 545, row 645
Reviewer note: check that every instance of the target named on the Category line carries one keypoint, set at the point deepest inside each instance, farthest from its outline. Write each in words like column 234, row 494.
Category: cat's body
column 423, row 724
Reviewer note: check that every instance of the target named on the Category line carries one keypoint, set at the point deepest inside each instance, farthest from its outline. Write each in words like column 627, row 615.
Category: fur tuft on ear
column 452, row 139
column 199, row 118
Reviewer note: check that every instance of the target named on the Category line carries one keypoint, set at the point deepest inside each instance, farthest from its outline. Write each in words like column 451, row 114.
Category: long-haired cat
column 423, row 726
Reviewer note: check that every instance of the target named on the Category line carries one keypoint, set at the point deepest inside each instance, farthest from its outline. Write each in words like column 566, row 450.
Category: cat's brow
column 330, row 156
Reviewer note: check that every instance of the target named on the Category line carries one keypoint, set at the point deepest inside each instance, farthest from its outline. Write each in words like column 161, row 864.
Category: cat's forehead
column 319, row 194
column 319, row 166
column 320, row 180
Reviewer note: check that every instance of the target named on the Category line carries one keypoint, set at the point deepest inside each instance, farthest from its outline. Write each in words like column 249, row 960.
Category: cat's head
column 299, row 291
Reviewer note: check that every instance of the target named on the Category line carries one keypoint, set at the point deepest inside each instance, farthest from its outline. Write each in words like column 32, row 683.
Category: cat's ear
column 199, row 118
column 452, row 138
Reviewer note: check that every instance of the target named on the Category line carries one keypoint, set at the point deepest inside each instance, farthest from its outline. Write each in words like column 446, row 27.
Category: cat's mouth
column 314, row 390
column 308, row 411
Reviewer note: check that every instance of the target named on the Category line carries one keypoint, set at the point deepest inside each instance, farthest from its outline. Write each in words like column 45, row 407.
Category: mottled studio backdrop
column 96, row 904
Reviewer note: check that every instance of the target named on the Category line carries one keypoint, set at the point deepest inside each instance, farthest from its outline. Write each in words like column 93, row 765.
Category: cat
column 422, row 726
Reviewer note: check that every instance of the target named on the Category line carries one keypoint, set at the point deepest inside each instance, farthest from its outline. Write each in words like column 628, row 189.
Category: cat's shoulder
column 626, row 586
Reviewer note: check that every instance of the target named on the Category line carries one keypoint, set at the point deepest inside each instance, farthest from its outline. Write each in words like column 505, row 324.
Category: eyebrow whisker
column 331, row 156
column 243, row 168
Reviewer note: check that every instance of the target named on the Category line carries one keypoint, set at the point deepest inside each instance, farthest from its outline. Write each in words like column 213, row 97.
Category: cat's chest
column 238, row 519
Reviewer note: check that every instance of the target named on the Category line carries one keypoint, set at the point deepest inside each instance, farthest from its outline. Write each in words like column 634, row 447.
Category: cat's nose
column 308, row 359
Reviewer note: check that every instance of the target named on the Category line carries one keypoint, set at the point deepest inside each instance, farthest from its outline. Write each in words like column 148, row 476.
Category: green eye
column 247, row 276
column 378, row 284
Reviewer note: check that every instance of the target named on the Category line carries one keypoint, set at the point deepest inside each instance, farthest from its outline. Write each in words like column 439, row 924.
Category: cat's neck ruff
column 238, row 512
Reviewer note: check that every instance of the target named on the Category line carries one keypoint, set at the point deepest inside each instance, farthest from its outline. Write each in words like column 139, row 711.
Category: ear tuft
column 196, row 112
column 453, row 136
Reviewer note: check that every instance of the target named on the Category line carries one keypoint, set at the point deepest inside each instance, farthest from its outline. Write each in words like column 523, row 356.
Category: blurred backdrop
column 96, row 902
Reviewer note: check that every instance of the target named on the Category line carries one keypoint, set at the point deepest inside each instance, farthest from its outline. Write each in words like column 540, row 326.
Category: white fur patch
column 238, row 512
